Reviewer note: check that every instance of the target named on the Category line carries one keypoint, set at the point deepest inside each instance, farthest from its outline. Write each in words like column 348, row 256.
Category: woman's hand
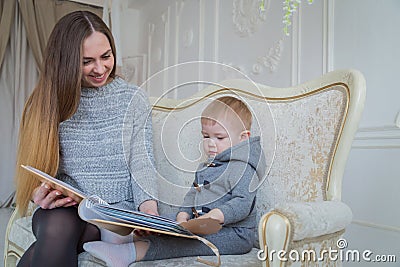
column 49, row 198
column 149, row 207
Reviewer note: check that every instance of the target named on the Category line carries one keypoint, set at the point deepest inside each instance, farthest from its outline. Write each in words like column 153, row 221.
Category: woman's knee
column 57, row 222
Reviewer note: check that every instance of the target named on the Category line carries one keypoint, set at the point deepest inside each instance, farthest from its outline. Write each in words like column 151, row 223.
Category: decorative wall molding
column 247, row 15
column 134, row 69
column 188, row 38
column 379, row 137
column 271, row 60
column 157, row 54
column 165, row 17
column 158, row 44
column 328, row 36
column 178, row 12
column 150, row 33
column 296, row 46
column 202, row 14
column 216, row 31
column 231, row 70
column 201, row 56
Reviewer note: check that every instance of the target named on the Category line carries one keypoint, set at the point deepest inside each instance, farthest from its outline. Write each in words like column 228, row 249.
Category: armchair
column 305, row 212
column 306, row 132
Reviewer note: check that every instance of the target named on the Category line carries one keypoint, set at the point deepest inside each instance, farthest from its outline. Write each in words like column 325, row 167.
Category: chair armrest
column 274, row 232
column 14, row 216
column 312, row 219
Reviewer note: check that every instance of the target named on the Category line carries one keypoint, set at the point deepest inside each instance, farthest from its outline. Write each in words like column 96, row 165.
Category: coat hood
column 250, row 152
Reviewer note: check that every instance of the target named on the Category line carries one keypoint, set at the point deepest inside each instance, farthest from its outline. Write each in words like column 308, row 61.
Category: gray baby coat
column 229, row 183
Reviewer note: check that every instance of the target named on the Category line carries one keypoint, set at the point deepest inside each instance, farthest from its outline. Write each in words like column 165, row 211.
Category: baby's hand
column 149, row 207
column 182, row 217
column 214, row 214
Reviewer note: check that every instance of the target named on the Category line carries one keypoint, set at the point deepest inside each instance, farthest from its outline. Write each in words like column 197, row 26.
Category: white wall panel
column 378, row 241
column 365, row 40
column 311, row 26
column 371, row 186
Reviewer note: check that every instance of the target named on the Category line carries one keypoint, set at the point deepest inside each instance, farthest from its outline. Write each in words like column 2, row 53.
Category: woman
column 88, row 127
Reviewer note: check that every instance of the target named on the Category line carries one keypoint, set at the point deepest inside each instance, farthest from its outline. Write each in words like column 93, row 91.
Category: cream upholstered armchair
column 306, row 132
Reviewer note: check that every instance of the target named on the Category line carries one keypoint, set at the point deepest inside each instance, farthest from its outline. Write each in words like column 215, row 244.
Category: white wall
column 366, row 38
column 326, row 35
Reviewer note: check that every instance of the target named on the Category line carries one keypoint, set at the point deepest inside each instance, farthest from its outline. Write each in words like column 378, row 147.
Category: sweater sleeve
column 240, row 205
column 139, row 152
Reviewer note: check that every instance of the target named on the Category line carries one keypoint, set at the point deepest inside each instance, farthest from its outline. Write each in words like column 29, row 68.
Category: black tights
column 60, row 235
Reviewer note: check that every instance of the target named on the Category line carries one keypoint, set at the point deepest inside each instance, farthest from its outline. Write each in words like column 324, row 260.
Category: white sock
column 111, row 237
column 114, row 255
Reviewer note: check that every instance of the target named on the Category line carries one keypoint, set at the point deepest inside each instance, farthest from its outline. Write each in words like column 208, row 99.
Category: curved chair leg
column 11, row 259
column 11, row 256
column 274, row 235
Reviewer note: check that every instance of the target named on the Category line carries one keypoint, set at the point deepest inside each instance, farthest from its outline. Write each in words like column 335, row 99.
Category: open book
column 121, row 221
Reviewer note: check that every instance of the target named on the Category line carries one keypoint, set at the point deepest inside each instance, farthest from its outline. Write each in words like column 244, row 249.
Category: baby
column 224, row 189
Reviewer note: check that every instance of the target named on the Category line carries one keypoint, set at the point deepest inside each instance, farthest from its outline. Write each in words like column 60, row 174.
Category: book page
column 66, row 189
column 98, row 213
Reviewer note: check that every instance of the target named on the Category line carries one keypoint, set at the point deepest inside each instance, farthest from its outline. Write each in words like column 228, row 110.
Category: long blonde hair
column 54, row 99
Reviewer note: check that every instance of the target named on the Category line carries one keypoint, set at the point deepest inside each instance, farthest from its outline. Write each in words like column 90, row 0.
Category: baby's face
column 219, row 136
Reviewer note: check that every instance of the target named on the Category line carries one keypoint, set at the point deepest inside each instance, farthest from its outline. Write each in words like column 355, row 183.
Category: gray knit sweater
column 106, row 146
